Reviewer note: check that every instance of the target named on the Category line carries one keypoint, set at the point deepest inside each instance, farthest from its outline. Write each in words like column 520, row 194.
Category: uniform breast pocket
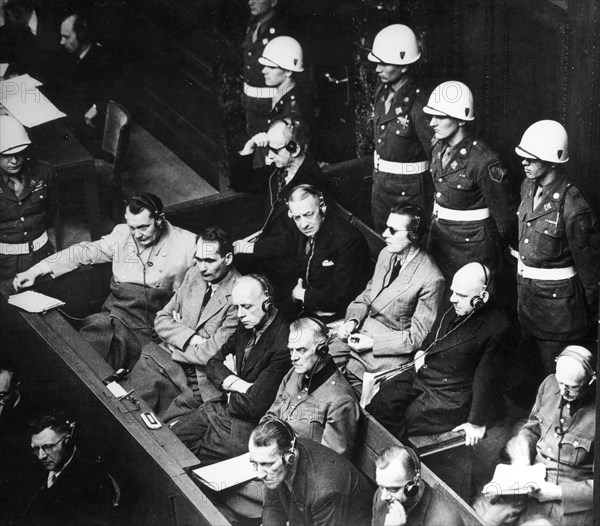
column 461, row 181
column 575, row 450
column 310, row 418
column 548, row 238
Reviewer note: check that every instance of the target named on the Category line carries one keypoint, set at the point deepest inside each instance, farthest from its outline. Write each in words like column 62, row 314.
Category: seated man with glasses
column 389, row 320
column 73, row 489
column 272, row 250
column 402, row 497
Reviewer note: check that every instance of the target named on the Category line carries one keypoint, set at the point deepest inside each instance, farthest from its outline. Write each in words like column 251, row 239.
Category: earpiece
column 477, row 302
column 291, row 145
column 290, row 456
column 322, row 348
column 412, row 488
column 413, row 235
column 267, row 304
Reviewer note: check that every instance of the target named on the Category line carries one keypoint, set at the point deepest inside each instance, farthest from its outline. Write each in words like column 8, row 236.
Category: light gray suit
column 398, row 317
column 159, row 376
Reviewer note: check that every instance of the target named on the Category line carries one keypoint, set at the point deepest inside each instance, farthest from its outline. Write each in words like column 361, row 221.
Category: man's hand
column 196, row 341
column 241, row 246
column 546, row 491
column 230, row 363
column 176, row 317
column 346, row 329
column 299, row 291
column 89, row 116
column 360, row 342
column 260, row 140
column 396, row 516
column 473, row 433
column 419, row 360
column 27, row 279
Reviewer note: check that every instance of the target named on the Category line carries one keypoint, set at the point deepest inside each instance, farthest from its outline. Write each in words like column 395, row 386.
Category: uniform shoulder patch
column 497, row 172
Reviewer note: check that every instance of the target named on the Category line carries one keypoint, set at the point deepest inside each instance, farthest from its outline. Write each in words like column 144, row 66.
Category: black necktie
column 397, row 265
column 207, row 296
column 16, row 185
column 281, row 181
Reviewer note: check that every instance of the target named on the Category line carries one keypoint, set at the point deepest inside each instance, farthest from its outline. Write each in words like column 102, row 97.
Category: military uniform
column 24, row 219
column 473, row 216
column 257, row 95
column 402, row 142
column 558, row 272
column 293, row 103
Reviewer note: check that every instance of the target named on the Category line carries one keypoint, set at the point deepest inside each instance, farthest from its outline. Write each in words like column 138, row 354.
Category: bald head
column 574, row 371
column 469, row 282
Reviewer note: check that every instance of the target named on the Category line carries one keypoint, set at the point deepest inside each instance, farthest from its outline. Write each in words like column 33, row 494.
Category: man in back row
column 193, row 326
column 149, row 259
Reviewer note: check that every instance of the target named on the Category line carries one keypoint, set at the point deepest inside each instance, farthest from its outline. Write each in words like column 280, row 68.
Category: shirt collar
column 311, row 382
column 53, row 475
column 33, row 23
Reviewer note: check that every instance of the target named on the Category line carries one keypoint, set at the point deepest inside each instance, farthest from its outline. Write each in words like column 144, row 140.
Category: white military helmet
column 451, row 99
column 545, row 140
column 395, row 44
column 13, row 137
column 283, row 52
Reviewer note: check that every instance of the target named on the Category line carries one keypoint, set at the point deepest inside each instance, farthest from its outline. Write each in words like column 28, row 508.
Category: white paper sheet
column 34, row 301
column 226, row 474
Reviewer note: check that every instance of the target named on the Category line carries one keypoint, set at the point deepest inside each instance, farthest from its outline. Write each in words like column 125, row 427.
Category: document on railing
column 26, row 103
column 226, row 474
column 32, row 301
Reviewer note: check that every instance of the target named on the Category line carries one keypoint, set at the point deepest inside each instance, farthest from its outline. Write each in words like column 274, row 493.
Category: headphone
column 582, row 356
column 291, row 145
column 310, row 190
column 151, row 202
column 413, row 235
column 81, row 27
column 412, row 488
column 290, row 456
column 477, row 302
column 322, row 348
column 267, row 304
column 417, row 220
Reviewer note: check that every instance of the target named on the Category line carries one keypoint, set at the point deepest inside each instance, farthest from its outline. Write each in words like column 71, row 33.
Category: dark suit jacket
column 82, row 494
column 327, row 489
column 337, row 271
column 232, row 421
column 460, row 382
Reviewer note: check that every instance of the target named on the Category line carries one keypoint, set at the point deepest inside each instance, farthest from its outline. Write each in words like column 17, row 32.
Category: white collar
column 33, row 23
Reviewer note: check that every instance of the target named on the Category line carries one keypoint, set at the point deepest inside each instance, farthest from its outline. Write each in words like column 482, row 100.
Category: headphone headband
column 267, row 288
column 151, row 202
column 582, row 356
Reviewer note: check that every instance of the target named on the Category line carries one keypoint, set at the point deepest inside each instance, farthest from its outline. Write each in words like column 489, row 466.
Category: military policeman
column 559, row 247
column 401, row 132
column 282, row 58
column 473, row 213
column 24, row 202
column 264, row 26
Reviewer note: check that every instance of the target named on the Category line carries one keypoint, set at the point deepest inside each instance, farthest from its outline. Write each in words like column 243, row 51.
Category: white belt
column 460, row 215
column 548, row 274
column 399, row 168
column 321, row 313
column 14, row 249
column 259, row 93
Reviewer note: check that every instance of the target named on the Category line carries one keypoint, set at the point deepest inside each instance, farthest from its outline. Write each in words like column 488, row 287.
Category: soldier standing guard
column 264, row 26
column 474, row 213
column 559, row 248
column 402, row 134
column 24, row 202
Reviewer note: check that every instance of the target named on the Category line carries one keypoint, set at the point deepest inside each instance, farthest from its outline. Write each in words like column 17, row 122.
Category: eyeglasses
column 46, row 448
column 393, row 231
column 275, row 150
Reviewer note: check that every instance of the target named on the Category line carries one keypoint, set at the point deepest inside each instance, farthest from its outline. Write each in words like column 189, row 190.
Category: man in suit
column 453, row 384
column 193, row 326
column 243, row 376
column 306, row 483
column 333, row 257
column 75, row 490
column 402, row 497
column 273, row 250
column 390, row 319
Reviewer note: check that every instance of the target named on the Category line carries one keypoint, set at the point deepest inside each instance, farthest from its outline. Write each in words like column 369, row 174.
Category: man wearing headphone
column 559, row 434
column 149, row 259
column 333, row 258
column 390, row 319
column 272, row 250
column 243, row 376
column 306, row 482
column 75, row 490
column 402, row 497
column 453, row 383
column 314, row 397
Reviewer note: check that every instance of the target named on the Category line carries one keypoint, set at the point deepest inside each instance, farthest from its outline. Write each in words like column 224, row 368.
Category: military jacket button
column 576, row 443
column 440, row 180
column 528, row 223
column 463, row 151
column 439, row 194
column 467, row 239
column 555, row 195
column 379, row 141
column 383, row 126
column 458, row 186
column 526, row 241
